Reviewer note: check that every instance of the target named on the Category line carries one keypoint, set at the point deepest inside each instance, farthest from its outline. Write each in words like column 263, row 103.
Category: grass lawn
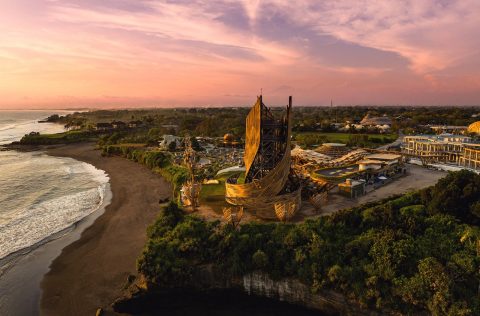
column 133, row 145
column 314, row 139
column 212, row 193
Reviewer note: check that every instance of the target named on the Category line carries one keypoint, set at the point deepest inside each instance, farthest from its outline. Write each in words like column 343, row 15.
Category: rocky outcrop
column 295, row 292
column 208, row 280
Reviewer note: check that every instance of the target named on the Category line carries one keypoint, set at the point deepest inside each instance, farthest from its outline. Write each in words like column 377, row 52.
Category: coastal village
column 267, row 168
column 331, row 175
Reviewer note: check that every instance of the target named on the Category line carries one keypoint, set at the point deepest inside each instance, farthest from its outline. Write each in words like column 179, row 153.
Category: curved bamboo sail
column 253, row 129
column 267, row 162
column 268, row 186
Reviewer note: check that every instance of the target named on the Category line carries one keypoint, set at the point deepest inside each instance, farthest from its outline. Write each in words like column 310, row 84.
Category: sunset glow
column 128, row 53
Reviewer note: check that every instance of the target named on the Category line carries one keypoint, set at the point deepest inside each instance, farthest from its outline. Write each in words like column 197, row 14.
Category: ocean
column 40, row 195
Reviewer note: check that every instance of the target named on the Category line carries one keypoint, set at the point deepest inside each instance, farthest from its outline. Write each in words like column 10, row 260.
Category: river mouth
column 230, row 302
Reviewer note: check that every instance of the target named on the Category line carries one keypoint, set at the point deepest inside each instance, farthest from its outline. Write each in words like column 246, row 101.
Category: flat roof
column 354, row 183
column 334, row 144
column 383, row 157
column 337, row 171
column 370, row 161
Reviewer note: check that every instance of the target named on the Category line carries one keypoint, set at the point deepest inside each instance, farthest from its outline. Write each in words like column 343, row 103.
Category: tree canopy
column 405, row 254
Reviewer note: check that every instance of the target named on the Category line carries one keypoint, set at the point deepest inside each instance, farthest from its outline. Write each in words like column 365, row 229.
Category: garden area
column 407, row 254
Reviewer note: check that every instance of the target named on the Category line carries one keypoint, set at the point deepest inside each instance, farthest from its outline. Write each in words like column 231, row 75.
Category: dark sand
column 91, row 272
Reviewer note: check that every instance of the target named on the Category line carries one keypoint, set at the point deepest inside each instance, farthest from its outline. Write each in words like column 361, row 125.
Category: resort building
column 451, row 129
column 385, row 159
column 135, row 124
column 119, row 125
column 471, row 157
column 382, row 123
column 103, row 127
column 352, row 188
column 334, row 150
column 371, row 169
column 446, row 148
column 474, row 128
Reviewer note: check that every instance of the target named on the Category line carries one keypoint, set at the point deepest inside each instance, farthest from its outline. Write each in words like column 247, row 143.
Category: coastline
column 90, row 272
column 32, row 263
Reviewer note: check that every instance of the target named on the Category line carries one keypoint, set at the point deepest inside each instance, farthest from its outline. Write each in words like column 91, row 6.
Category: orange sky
column 126, row 53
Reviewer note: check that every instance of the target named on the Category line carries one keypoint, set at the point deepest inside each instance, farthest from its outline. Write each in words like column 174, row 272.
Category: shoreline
column 32, row 263
column 95, row 267
column 114, row 235
column 11, row 258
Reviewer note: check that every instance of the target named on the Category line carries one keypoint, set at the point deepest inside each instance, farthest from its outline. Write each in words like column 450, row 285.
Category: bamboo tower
column 267, row 161
column 191, row 189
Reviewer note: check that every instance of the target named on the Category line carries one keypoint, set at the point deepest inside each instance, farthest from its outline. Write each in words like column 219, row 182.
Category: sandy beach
column 90, row 272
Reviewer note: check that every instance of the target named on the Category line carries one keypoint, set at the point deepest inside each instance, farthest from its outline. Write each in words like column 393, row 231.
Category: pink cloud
column 201, row 52
column 431, row 34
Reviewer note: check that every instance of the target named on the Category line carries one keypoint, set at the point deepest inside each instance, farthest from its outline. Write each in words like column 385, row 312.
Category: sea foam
column 64, row 204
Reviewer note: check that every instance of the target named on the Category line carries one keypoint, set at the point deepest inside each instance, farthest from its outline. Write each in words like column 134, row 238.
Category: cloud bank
column 202, row 52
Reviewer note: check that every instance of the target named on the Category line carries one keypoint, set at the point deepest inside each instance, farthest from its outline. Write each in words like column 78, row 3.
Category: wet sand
column 90, row 272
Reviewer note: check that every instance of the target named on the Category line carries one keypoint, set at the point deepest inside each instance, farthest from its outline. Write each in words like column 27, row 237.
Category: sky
column 141, row 53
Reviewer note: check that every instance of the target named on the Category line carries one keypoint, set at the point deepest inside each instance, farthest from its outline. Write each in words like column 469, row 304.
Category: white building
column 168, row 139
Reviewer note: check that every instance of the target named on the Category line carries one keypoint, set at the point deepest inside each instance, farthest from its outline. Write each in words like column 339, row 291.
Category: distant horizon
column 144, row 53
column 120, row 108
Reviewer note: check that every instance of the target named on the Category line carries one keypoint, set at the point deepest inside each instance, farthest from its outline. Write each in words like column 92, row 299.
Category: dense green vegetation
column 218, row 121
column 411, row 253
column 60, row 138
column 158, row 161
column 311, row 125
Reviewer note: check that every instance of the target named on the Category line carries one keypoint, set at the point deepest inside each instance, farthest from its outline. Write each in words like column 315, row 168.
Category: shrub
column 260, row 259
column 392, row 254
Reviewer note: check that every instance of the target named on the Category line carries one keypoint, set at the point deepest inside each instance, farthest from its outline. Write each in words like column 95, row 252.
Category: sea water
column 40, row 195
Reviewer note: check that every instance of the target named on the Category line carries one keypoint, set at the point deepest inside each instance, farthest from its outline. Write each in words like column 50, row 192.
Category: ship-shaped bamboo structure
column 267, row 163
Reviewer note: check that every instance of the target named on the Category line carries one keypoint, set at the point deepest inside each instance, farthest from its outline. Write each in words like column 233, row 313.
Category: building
column 369, row 164
column 229, row 140
column 471, row 157
column 446, row 148
column 334, row 150
column 369, row 169
column 451, row 129
column 119, row 125
column 474, row 128
column 382, row 123
column 385, row 159
column 103, row 127
column 135, row 124
column 166, row 140
column 352, row 188
column 267, row 188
